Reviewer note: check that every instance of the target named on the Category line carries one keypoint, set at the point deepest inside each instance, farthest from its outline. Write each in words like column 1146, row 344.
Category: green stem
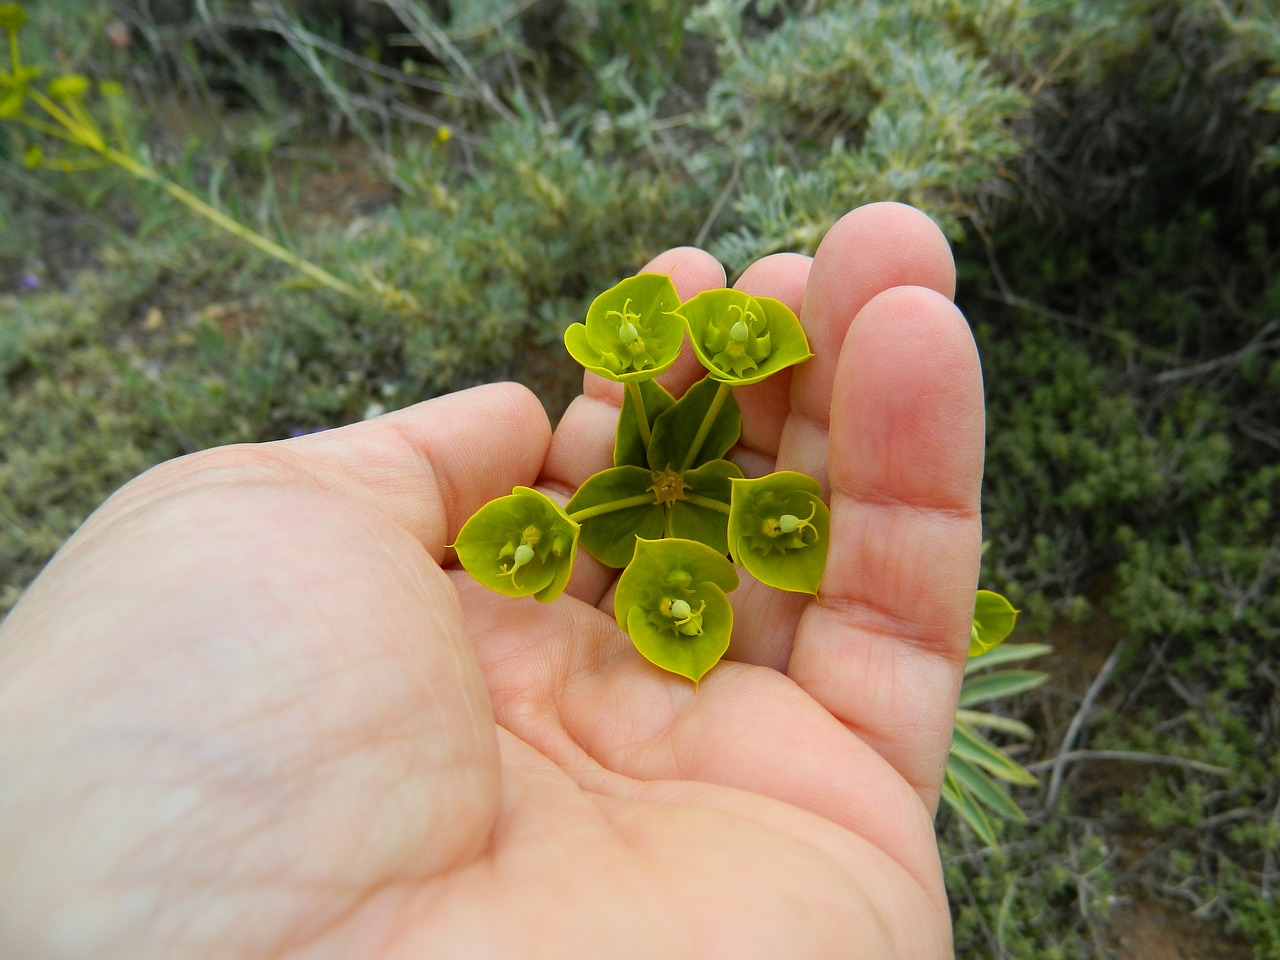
column 699, row 438
column 600, row 509
column 237, row 229
column 82, row 130
column 708, row 502
column 642, row 417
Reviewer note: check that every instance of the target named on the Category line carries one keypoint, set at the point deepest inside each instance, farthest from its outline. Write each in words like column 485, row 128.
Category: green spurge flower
column 742, row 339
column 779, row 528
column 633, row 330
column 520, row 545
column 672, row 600
column 12, row 17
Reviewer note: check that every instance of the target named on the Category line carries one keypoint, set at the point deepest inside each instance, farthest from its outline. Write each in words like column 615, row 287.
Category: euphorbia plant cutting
column 672, row 513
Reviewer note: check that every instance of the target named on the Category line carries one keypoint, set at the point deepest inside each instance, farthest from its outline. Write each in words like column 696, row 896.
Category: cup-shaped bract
column 521, row 545
column 993, row 620
column 743, row 339
column 779, row 528
column 633, row 331
column 672, row 600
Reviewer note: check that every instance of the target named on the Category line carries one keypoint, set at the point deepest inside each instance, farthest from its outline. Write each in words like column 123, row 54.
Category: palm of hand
column 315, row 752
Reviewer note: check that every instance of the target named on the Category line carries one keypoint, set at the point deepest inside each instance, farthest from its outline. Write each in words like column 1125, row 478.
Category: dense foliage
column 1109, row 170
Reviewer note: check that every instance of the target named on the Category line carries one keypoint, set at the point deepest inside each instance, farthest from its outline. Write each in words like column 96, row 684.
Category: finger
column 428, row 466
column 583, row 442
column 884, row 648
column 870, row 250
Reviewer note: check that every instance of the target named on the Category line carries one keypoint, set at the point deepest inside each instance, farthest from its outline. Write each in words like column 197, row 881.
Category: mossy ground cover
column 1105, row 169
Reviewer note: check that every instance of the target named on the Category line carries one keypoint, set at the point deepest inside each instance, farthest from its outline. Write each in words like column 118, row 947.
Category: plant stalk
column 704, row 428
column 600, row 509
column 642, row 418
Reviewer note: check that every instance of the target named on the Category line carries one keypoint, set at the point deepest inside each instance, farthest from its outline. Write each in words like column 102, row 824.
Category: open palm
column 246, row 711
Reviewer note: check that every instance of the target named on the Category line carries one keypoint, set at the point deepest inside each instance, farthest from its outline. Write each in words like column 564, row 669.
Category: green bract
column 701, row 426
column 993, row 620
column 618, row 505
column 672, row 600
column 633, row 330
column 520, row 545
column 779, row 528
column 742, row 339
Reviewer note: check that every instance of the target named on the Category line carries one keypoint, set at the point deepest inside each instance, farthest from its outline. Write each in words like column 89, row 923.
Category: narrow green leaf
column 675, row 431
column 779, row 529
column 629, row 448
column 614, row 507
column 999, row 685
column 672, row 600
column 961, row 801
column 634, row 329
column 742, row 339
column 1006, row 653
column 993, row 620
column 992, row 721
column 970, row 745
column 985, row 790
column 520, row 545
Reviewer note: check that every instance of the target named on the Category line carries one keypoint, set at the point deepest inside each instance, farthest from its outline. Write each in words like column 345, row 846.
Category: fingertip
column 691, row 269
column 869, row 250
column 907, row 409
column 782, row 276
column 894, row 245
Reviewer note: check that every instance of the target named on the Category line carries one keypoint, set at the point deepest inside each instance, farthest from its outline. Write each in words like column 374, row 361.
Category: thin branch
column 1258, row 343
column 428, row 33
column 1127, row 756
column 1059, row 763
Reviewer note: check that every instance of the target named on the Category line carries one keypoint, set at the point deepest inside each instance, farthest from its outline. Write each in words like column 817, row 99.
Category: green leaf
column 742, row 339
column 779, row 529
column 985, row 790
column 978, row 750
column 520, row 545
column 633, row 331
column 704, row 409
column 614, row 507
column 968, row 809
column 993, row 620
column 999, row 685
column 698, row 517
column 629, row 448
column 993, row 721
column 1006, row 653
column 672, row 600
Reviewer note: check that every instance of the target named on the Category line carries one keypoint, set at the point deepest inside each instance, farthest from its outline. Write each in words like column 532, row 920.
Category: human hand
column 246, row 712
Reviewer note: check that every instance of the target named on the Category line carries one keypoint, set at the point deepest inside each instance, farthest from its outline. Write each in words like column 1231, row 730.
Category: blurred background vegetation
column 1109, row 171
